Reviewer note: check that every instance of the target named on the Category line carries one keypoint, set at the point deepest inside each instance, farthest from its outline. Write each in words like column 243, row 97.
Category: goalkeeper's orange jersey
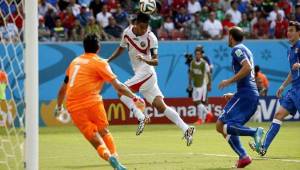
column 87, row 74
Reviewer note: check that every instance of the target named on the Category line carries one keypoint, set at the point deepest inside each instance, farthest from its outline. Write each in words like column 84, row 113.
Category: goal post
column 31, row 85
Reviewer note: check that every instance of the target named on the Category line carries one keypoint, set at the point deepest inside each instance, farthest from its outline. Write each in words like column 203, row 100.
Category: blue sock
column 272, row 132
column 234, row 142
column 239, row 130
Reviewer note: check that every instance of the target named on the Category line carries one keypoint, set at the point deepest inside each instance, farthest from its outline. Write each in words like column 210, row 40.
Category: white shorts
column 200, row 93
column 146, row 84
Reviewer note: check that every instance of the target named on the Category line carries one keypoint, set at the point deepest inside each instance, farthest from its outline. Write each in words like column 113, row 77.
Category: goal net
column 12, row 85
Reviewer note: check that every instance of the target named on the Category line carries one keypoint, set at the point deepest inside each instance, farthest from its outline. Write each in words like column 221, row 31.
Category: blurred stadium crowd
column 70, row 20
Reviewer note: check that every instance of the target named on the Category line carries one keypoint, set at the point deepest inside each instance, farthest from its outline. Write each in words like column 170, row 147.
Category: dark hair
column 295, row 24
column 91, row 43
column 199, row 48
column 237, row 33
column 142, row 18
column 256, row 69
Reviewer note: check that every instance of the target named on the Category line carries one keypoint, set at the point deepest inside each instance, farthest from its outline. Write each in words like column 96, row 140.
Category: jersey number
column 76, row 69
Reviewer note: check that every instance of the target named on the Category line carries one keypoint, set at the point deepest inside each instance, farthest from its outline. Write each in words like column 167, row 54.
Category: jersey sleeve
column 238, row 55
column 105, row 71
column 123, row 42
column 153, row 41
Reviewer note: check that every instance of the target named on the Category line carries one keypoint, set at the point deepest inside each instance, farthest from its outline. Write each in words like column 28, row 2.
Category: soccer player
column 142, row 47
column 83, row 82
column 242, row 105
column 199, row 72
column 290, row 103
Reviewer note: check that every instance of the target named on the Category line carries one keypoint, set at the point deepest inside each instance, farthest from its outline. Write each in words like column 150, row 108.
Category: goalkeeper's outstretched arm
column 62, row 93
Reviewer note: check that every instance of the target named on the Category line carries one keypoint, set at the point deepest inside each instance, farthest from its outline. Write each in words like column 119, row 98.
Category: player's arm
column 285, row 83
column 154, row 58
column 122, row 89
column 62, row 93
column 244, row 71
column 116, row 53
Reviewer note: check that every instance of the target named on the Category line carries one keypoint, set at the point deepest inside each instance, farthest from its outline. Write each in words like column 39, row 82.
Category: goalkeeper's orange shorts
column 90, row 120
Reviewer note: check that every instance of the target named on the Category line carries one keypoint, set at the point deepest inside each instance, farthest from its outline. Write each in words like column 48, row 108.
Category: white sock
column 203, row 111
column 176, row 119
column 131, row 106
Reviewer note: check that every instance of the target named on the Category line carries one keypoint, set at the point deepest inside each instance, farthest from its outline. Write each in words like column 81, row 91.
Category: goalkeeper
column 83, row 82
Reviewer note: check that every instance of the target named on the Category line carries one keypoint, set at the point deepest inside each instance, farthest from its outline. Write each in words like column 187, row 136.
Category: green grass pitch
column 160, row 147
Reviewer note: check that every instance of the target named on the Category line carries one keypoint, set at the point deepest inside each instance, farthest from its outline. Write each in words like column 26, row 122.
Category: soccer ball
column 147, row 6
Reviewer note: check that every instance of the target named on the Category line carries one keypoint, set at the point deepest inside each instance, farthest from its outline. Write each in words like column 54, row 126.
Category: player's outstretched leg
column 172, row 115
column 104, row 144
column 142, row 119
column 272, row 132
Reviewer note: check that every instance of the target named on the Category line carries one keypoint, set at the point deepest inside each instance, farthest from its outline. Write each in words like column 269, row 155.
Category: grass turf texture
column 160, row 147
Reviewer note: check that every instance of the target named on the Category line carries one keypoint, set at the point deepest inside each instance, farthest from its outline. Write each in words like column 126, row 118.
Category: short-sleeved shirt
column 239, row 54
column 139, row 45
column 87, row 74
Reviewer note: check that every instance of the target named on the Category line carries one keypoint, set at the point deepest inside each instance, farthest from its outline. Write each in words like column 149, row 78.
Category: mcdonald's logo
column 116, row 110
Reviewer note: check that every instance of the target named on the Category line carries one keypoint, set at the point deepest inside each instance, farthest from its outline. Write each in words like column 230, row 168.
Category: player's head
column 91, row 43
column 142, row 23
column 293, row 31
column 198, row 53
column 236, row 35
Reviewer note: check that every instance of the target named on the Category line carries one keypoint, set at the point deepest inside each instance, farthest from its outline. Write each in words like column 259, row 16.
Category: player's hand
column 228, row 96
column 139, row 103
column 140, row 58
column 280, row 91
column 224, row 83
column 209, row 87
column 58, row 110
column 296, row 66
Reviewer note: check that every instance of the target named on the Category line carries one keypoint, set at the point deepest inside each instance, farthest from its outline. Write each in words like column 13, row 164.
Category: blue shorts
column 239, row 109
column 291, row 101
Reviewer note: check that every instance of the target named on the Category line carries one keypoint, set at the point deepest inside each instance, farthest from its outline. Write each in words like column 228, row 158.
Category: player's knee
column 219, row 127
column 159, row 104
column 281, row 114
column 103, row 132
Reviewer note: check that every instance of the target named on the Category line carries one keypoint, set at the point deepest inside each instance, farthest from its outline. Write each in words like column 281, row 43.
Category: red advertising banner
column 117, row 113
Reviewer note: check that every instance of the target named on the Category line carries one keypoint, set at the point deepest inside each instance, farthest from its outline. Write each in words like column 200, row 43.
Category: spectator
column 280, row 27
column 114, row 30
column 195, row 28
column 112, row 5
column 96, row 7
column 193, row 6
column 62, row 4
column 68, row 20
column 204, row 14
column 236, row 15
column 245, row 25
column 75, row 7
column 50, row 19
column 121, row 16
column 60, row 33
column 167, row 28
column 156, row 22
column 84, row 15
column 44, row 32
column 262, row 77
column 77, row 32
column 84, row 2
column 227, row 24
column 286, row 6
column 297, row 12
column 177, row 4
column 261, row 29
column 181, row 18
column 103, row 16
column 11, row 31
column 93, row 27
column 273, row 14
column 212, row 27
column 44, row 7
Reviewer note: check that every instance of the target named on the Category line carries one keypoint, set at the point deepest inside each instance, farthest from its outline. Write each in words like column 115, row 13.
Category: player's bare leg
column 172, row 115
column 142, row 118
column 99, row 144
